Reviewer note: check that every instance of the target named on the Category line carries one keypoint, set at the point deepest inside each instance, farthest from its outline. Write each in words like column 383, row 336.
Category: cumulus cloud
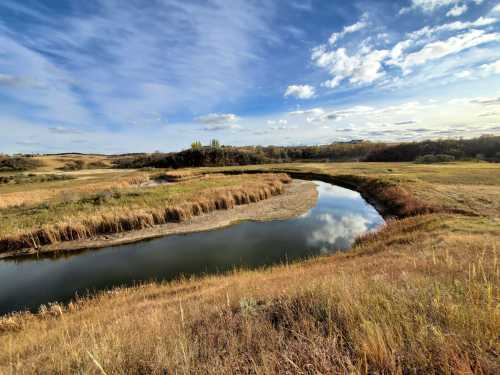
column 361, row 24
column 218, row 118
column 360, row 68
column 300, row 91
column 368, row 65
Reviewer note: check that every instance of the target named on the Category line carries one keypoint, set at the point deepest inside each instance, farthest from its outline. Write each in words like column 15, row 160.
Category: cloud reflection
column 337, row 232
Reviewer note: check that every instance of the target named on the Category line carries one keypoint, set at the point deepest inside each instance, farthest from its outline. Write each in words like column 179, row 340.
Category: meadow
column 91, row 203
column 421, row 295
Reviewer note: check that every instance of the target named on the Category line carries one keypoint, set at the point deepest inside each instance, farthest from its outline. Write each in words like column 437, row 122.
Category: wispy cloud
column 122, row 62
column 218, row 118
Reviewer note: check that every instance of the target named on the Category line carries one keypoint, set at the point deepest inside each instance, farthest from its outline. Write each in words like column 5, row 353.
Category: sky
column 110, row 76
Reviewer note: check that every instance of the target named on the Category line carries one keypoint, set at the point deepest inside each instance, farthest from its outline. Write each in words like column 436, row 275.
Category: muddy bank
column 297, row 198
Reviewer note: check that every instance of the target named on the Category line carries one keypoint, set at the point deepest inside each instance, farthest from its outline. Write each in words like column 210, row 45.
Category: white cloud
column 277, row 122
column 463, row 74
column 217, row 118
column 457, row 10
column 361, row 24
column 428, row 31
column 312, row 111
column 489, row 69
column 455, row 44
column 361, row 68
column 219, row 127
column 300, row 91
column 430, row 6
column 81, row 69
column 496, row 9
column 369, row 65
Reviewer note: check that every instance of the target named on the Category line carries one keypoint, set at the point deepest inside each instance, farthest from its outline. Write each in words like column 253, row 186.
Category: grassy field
column 419, row 296
column 36, row 214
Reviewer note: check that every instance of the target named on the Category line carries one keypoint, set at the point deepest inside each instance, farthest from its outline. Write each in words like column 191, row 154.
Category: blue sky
column 123, row 76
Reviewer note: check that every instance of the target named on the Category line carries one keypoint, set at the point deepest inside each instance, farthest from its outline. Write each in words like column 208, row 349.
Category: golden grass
column 419, row 296
column 54, row 162
column 86, row 184
column 77, row 221
column 424, row 301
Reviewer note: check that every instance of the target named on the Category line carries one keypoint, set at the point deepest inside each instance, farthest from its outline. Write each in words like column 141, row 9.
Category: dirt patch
column 298, row 198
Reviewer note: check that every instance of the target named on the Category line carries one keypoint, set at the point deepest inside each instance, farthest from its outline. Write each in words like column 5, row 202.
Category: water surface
column 339, row 216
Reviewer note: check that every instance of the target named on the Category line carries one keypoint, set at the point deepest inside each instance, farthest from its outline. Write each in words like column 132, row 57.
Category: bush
column 431, row 159
column 73, row 165
column 18, row 163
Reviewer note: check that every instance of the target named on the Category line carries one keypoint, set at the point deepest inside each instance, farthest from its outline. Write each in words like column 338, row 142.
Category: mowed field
column 419, row 296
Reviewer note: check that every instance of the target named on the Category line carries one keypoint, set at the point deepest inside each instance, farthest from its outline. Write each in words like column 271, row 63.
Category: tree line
column 485, row 148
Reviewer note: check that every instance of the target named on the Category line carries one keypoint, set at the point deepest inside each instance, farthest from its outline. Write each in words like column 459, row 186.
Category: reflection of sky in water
column 338, row 218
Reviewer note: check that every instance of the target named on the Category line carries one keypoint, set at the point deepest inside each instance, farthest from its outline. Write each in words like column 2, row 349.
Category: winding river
column 339, row 216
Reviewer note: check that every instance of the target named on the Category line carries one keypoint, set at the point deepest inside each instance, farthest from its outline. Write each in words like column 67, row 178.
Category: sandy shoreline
column 298, row 198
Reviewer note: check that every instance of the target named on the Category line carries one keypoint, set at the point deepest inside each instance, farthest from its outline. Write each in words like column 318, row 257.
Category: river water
column 339, row 216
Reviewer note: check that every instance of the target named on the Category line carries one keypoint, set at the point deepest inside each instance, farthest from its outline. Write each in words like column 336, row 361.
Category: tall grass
column 425, row 302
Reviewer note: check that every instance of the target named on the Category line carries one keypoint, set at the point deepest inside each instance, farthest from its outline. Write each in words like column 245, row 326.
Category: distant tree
column 196, row 145
column 214, row 143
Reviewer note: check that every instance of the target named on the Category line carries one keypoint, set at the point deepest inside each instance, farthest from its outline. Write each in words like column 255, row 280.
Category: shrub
column 73, row 165
column 18, row 163
column 431, row 159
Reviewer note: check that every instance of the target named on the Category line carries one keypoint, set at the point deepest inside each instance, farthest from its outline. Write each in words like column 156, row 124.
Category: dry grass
column 11, row 196
column 55, row 162
column 117, row 211
column 420, row 296
column 415, row 298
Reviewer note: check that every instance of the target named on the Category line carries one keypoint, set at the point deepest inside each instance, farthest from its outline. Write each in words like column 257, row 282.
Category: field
column 89, row 203
column 419, row 296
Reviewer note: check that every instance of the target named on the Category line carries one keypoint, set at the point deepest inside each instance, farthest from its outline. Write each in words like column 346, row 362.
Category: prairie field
column 33, row 215
column 421, row 295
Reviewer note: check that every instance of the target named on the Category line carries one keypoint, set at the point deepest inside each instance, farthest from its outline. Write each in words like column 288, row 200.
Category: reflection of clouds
column 331, row 191
column 305, row 215
column 338, row 232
